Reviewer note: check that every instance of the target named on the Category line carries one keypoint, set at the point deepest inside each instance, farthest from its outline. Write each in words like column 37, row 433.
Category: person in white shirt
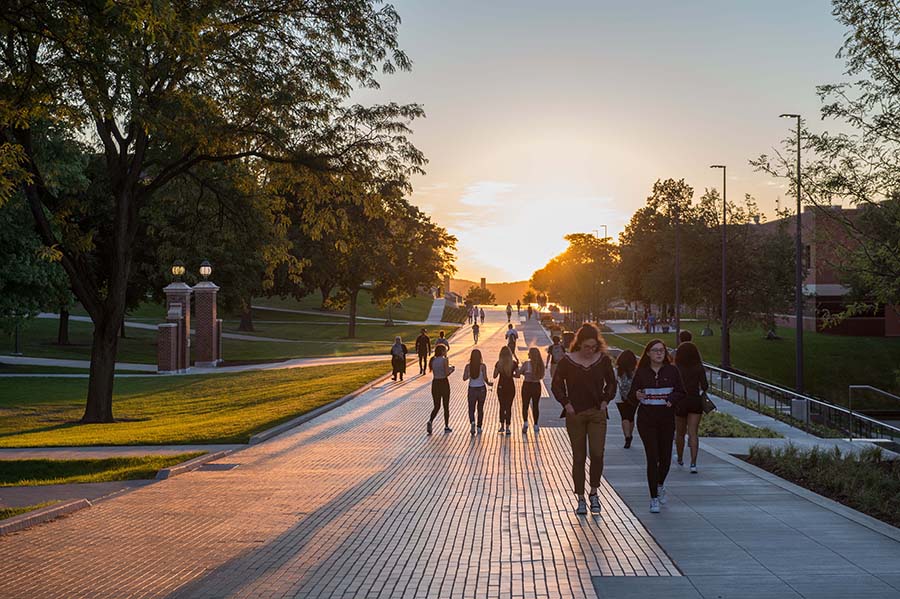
column 476, row 374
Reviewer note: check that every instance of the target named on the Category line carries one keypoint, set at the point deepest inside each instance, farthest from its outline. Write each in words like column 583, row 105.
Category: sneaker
column 654, row 505
column 525, row 428
column 680, row 463
column 447, row 429
column 501, row 429
column 595, row 504
column 479, row 430
column 472, row 428
column 661, row 494
column 394, row 378
column 581, row 510
column 693, row 468
column 627, row 442
column 508, row 432
column 536, row 428
column 428, row 428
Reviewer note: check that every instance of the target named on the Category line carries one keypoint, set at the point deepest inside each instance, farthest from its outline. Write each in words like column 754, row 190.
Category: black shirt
column 668, row 378
column 584, row 387
column 423, row 344
column 694, row 380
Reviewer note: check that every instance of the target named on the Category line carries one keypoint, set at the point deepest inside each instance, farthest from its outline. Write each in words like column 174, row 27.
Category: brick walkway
column 359, row 503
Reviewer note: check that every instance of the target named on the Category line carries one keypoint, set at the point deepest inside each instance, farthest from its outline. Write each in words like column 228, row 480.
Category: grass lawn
column 866, row 481
column 9, row 512
column 29, row 473
column 29, row 369
column 221, row 408
column 39, row 341
column 832, row 362
column 719, row 424
column 413, row 308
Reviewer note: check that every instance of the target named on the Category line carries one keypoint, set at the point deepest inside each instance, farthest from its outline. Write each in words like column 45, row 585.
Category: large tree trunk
column 62, row 335
column 103, row 365
column 352, row 332
column 122, row 329
column 246, row 316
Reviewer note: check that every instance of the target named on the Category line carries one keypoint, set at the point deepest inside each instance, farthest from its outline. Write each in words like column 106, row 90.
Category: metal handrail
column 850, row 389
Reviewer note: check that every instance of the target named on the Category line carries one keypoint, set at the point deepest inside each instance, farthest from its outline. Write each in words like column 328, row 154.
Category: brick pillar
column 207, row 347
column 178, row 311
column 483, row 283
column 167, row 348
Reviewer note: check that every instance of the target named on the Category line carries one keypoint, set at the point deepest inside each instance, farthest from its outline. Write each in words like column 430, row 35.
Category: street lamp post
column 677, row 274
column 798, row 270
column 726, row 340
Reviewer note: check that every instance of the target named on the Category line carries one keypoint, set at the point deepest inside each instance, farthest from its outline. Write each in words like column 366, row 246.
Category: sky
column 548, row 118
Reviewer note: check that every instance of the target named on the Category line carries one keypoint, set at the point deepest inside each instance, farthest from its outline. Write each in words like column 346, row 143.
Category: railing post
column 850, row 407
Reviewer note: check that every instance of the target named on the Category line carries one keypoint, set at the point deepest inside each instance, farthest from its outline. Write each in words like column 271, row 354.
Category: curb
column 51, row 512
column 829, row 504
column 191, row 464
column 286, row 426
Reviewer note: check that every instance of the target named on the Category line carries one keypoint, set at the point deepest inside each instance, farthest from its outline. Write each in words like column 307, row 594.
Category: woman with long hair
column 398, row 358
column 656, row 390
column 533, row 371
column 689, row 412
column 476, row 374
column 584, row 383
column 507, row 369
column 440, row 367
column 626, row 364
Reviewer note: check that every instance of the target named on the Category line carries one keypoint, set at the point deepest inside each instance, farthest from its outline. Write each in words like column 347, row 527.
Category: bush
column 458, row 314
column 717, row 424
column 865, row 481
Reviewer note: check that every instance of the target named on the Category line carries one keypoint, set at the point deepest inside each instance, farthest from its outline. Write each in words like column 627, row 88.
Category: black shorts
column 692, row 404
column 626, row 410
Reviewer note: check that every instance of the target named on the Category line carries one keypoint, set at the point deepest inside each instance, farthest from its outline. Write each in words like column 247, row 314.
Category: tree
column 476, row 295
column 529, row 297
column 158, row 89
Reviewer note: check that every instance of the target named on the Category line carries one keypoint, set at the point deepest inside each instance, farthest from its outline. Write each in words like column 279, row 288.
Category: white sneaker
column 693, row 468
column 654, row 505
column 508, row 432
column 536, row 428
column 479, row 430
column 472, row 428
column 525, row 428
column 661, row 494
column 581, row 510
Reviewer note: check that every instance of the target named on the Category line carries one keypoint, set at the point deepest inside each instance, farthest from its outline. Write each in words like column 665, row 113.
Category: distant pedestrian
column 530, row 311
column 475, row 331
column 481, row 312
column 652, row 323
column 476, row 374
column 398, row 358
column 685, row 335
column 626, row 364
column 555, row 353
column 533, row 372
column 689, row 411
column 440, row 367
column 423, row 349
column 508, row 312
column 512, row 337
column 469, row 315
column 518, row 307
column 441, row 340
column 506, row 369
column 584, row 384
column 656, row 390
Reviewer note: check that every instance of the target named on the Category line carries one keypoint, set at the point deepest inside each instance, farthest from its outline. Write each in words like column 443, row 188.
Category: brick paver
column 358, row 503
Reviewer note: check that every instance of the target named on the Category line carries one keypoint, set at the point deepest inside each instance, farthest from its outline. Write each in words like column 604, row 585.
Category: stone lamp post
column 174, row 337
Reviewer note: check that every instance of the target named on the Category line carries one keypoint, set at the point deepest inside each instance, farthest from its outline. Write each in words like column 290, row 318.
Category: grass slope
column 9, row 512
column 221, row 408
column 28, row 473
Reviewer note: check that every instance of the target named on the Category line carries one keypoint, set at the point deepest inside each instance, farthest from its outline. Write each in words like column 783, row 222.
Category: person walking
column 533, row 372
column 439, row 365
column 441, row 340
column 689, row 412
column 398, row 359
column 481, row 313
column 506, row 369
column 475, row 330
column 508, row 312
column 512, row 337
column 530, row 311
column 584, row 384
column 423, row 350
column 656, row 390
column 555, row 354
column 626, row 364
column 476, row 374
column 518, row 307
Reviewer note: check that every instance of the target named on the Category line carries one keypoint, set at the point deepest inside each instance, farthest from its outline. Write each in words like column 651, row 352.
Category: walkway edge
column 829, row 504
column 191, row 464
column 51, row 512
column 286, row 426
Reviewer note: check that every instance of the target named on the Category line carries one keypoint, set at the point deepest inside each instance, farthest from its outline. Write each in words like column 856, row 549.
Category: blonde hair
column 536, row 361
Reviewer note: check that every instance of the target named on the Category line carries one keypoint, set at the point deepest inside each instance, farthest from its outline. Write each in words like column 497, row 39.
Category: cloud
column 485, row 193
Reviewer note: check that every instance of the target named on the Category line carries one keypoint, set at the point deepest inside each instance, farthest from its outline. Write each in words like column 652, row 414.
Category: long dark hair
column 537, row 362
column 475, row 364
column 645, row 358
column 626, row 363
column 687, row 357
column 439, row 352
column 505, row 361
column 585, row 333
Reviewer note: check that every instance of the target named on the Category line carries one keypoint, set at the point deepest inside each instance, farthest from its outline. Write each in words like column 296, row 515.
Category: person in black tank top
column 690, row 411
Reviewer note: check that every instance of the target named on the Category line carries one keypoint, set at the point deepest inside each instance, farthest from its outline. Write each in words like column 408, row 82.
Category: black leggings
column 440, row 392
column 423, row 362
column 531, row 393
column 476, row 401
column 656, row 426
column 506, row 396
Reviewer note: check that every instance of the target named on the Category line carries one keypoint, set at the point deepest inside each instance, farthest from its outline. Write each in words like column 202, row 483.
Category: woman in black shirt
column 656, row 390
column 690, row 411
column 584, row 383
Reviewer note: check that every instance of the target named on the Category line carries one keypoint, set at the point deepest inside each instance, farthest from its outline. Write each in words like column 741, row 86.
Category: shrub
column 717, row 424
